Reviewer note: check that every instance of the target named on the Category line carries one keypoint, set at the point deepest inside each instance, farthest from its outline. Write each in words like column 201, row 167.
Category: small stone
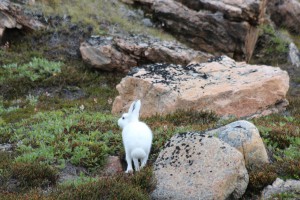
column 280, row 186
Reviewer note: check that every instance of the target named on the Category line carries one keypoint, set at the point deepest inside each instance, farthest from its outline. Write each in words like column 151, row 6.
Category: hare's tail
column 138, row 153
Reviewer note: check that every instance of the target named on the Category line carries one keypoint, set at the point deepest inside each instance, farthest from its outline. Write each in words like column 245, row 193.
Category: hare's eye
column 123, row 117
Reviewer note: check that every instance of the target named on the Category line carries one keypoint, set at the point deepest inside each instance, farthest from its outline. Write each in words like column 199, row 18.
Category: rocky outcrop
column 234, row 10
column 218, row 27
column 121, row 54
column 11, row 16
column 195, row 166
column 279, row 186
column 285, row 14
column 245, row 137
column 220, row 85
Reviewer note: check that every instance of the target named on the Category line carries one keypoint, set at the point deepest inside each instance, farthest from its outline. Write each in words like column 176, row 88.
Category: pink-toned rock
column 222, row 85
column 195, row 166
column 113, row 166
column 218, row 27
column 121, row 54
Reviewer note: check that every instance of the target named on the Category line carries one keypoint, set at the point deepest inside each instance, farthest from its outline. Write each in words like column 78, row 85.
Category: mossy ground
column 63, row 116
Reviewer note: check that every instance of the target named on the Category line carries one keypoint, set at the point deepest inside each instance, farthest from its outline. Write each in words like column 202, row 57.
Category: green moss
column 36, row 69
column 6, row 161
column 286, row 195
column 121, row 186
column 19, row 114
column 101, row 15
column 73, row 135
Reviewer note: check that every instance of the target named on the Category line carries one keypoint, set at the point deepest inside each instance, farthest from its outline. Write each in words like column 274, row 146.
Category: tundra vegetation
column 55, row 110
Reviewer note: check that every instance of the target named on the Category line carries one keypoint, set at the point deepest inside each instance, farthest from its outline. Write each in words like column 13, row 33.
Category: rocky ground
column 64, row 70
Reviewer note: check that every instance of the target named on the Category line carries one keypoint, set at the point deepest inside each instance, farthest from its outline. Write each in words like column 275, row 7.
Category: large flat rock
column 220, row 85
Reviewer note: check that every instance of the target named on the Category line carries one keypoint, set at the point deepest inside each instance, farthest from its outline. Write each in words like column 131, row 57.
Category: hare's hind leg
column 129, row 163
column 136, row 164
column 144, row 161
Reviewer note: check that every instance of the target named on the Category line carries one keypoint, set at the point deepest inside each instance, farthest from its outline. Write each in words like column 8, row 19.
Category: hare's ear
column 134, row 109
column 131, row 108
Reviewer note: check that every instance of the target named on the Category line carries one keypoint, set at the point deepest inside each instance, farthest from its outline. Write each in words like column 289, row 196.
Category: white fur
column 137, row 137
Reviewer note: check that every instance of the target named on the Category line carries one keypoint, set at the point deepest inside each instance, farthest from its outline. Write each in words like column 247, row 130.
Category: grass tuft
column 34, row 174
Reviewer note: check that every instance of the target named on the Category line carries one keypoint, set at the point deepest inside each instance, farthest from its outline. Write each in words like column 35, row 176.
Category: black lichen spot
column 215, row 59
column 168, row 144
column 238, row 126
column 205, row 76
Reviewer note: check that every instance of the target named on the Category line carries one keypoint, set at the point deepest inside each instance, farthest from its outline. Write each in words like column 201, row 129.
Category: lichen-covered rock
column 218, row 26
column 280, row 186
column 121, row 54
column 244, row 136
column 196, row 166
column 220, row 85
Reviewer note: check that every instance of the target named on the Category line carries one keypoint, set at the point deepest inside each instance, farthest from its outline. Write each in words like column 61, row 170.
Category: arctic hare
column 137, row 137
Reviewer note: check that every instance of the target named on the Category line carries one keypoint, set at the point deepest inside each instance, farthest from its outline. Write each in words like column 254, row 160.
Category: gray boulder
column 196, row 166
column 244, row 136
